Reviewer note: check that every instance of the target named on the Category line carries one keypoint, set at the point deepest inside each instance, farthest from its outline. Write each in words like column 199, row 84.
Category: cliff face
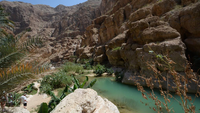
column 121, row 32
column 126, row 33
column 75, row 23
column 59, row 27
column 29, row 16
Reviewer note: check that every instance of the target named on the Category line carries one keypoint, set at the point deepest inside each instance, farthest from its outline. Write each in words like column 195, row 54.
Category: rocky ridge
column 127, row 33
column 60, row 27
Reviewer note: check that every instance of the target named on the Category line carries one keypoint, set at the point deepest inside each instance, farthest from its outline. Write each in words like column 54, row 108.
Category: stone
column 36, row 85
column 157, row 34
column 187, row 2
column 117, row 41
column 100, row 20
column 189, row 19
column 114, row 57
column 139, row 14
column 162, row 7
column 193, row 45
column 85, row 101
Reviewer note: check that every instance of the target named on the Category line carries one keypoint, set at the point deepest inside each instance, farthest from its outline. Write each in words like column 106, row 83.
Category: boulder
column 189, row 19
column 155, row 34
column 187, row 2
column 99, row 20
column 139, row 14
column 193, row 45
column 85, row 101
column 162, row 7
column 36, row 85
column 114, row 57
column 117, row 41
column 151, row 29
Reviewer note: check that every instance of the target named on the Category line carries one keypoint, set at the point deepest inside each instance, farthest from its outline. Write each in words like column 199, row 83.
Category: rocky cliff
column 122, row 32
column 125, row 34
column 59, row 27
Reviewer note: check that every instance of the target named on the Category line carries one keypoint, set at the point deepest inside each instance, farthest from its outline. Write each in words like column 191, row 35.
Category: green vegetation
column 12, row 52
column 100, row 69
column 72, row 67
column 29, row 88
column 43, row 108
column 77, row 84
column 116, row 48
column 54, row 81
column 88, row 64
column 67, row 80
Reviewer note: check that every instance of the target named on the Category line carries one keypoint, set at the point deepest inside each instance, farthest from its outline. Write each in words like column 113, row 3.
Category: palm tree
column 11, row 51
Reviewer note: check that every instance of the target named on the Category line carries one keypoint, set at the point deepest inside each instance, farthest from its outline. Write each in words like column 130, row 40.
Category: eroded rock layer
column 128, row 34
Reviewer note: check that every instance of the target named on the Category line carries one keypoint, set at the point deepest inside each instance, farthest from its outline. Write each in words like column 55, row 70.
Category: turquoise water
column 128, row 98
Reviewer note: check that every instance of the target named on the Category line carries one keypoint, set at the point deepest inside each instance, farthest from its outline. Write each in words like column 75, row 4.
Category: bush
column 99, row 69
column 55, row 100
column 54, row 81
column 109, row 71
column 28, row 88
column 72, row 67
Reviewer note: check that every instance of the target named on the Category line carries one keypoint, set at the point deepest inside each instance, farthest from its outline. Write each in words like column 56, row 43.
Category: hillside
column 59, row 27
column 119, row 32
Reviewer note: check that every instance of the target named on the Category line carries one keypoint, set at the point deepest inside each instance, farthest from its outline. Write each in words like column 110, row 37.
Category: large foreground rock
column 85, row 101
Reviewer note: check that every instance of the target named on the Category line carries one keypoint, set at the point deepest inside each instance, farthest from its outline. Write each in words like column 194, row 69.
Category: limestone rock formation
column 85, row 101
column 131, row 29
column 60, row 28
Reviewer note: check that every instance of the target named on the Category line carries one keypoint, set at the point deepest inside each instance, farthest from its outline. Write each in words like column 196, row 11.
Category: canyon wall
column 134, row 33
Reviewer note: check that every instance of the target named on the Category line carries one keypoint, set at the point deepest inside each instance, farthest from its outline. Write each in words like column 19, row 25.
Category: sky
column 52, row 3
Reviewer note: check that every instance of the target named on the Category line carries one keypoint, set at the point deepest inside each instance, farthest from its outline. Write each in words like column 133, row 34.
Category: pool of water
column 128, row 98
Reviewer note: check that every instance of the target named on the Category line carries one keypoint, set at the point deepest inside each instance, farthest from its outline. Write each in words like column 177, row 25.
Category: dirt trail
column 35, row 100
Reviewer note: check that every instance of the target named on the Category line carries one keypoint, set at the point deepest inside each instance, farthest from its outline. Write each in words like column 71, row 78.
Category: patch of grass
column 116, row 48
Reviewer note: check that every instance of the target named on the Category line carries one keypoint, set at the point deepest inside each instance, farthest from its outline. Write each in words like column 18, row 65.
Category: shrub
column 28, row 88
column 72, row 67
column 55, row 100
column 54, row 81
column 99, row 69
column 88, row 65
column 16, row 99
column 109, row 71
